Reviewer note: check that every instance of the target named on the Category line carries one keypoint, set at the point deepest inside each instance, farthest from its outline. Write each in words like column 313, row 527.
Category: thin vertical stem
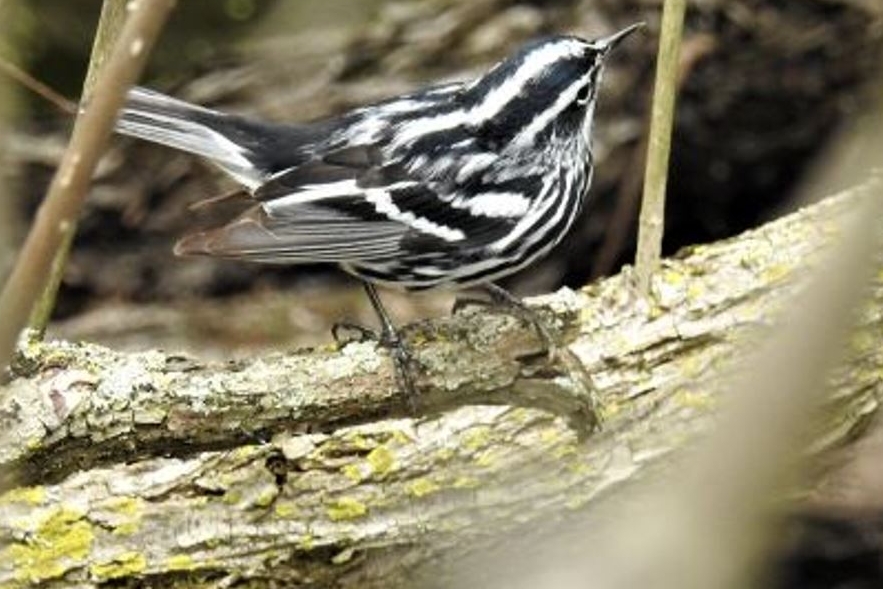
column 69, row 186
column 652, row 217
column 110, row 25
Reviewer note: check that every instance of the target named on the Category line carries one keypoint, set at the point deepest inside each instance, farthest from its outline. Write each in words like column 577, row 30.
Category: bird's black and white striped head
column 547, row 88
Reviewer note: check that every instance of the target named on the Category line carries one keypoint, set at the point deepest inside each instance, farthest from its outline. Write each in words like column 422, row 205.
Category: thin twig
column 37, row 87
column 110, row 25
column 64, row 200
column 618, row 231
column 651, row 223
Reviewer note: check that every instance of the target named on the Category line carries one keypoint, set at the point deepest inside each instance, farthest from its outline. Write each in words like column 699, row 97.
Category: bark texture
column 304, row 468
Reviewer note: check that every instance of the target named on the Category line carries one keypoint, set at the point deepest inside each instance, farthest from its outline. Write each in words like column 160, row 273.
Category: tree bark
column 306, row 467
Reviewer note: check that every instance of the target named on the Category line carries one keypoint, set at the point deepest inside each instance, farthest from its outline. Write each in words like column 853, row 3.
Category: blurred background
column 768, row 88
column 765, row 86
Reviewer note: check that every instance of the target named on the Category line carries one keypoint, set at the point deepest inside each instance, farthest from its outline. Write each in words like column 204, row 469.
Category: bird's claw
column 359, row 333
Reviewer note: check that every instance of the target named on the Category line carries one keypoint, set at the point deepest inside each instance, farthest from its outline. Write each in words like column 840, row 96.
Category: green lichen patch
column 693, row 400
column 28, row 495
column 486, row 459
column 36, row 355
column 265, row 497
column 63, row 538
column 124, row 514
column 180, row 562
column 126, row 505
column 422, row 487
column 125, row 564
column 466, row 482
column 382, row 460
column 307, row 543
column 564, row 451
column 286, row 509
column 353, row 472
column 477, row 438
column 346, row 508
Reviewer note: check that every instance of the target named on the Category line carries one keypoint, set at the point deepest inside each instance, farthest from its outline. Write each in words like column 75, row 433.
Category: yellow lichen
column 692, row 399
column 126, row 505
column 180, row 562
column 126, row 528
column 672, row 277
column 485, row 459
column 285, row 509
column 564, row 451
column 381, row 460
column 465, row 482
column 63, row 538
column 123, row 565
column 608, row 410
column 232, row 497
column 445, row 454
column 266, row 496
column 477, row 438
column 520, row 414
column 361, row 442
column 695, row 290
column 550, row 435
column 245, row 452
column 352, row 472
column 308, row 542
column 581, row 468
column 401, row 437
column 29, row 495
column 346, row 508
column 422, row 487
column 130, row 510
column 776, row 272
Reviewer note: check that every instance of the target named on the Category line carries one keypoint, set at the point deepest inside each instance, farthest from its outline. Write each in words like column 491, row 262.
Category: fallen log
column 306, row 468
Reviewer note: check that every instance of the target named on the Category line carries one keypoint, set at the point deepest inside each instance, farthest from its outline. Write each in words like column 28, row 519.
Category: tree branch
column 303, row 466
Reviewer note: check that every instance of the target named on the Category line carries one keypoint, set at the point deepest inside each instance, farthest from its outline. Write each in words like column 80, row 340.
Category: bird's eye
column 582, row 97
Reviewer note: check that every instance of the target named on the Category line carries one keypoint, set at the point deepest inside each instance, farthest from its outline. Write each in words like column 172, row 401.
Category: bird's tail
column 221, row 138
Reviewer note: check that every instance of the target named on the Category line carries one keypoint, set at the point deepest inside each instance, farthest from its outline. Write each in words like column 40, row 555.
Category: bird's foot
column 405, row 364
column 499, row 298
column 346, row 332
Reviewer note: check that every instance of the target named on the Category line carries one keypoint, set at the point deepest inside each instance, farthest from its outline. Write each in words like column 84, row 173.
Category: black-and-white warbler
column 454, row 185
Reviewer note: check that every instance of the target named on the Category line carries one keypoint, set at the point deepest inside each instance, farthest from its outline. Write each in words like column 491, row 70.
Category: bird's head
column 547, row 88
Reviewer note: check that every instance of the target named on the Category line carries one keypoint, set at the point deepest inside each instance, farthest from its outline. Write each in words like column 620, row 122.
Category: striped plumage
column 453, row 185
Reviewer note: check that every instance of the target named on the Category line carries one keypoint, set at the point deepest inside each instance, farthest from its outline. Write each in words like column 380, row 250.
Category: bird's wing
column 347, row 206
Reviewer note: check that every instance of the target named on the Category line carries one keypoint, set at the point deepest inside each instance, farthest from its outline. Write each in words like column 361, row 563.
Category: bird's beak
column 608, row 43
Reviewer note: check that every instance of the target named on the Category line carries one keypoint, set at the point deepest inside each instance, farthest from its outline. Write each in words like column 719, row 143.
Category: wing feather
column 315, row 237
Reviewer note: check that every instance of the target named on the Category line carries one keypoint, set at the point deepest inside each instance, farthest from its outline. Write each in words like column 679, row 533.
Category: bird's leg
column 389, row 338
column 555, row 349
column 501, row 298
column 363, row 333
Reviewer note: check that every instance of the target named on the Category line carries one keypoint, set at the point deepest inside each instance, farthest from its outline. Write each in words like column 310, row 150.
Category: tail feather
column 162, row 119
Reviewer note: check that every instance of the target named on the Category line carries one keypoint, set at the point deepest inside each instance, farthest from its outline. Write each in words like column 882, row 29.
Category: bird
column 455, row 185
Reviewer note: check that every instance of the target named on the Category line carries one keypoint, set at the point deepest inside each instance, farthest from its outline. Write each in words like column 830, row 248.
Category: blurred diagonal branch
column 59, row 211
column 157, row 468
column 38, row 87
column 110, row 26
